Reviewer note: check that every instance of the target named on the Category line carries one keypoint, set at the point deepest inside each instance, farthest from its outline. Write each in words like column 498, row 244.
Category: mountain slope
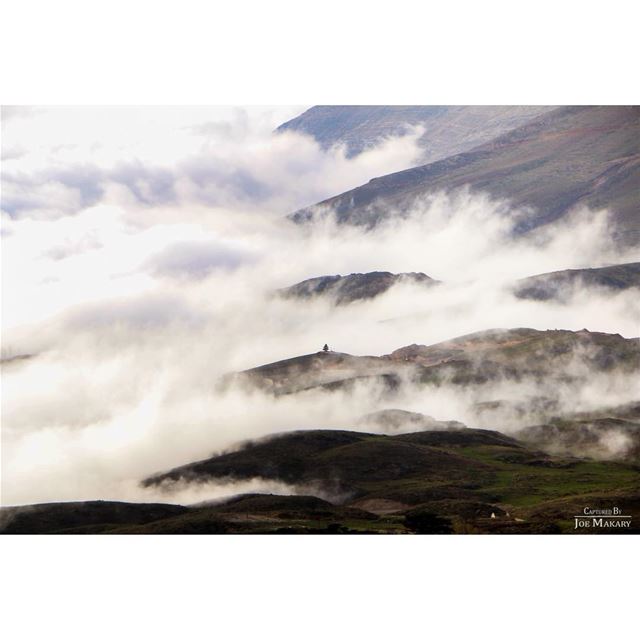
column 569, row 156
column 346, row 459
column 354, row 287
column 328, row 370
column 562, row 284
column 478, row 358
column 448, row 129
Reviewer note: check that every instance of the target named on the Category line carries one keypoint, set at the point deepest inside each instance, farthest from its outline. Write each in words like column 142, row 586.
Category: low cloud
column 193, row 260
column 144, row 158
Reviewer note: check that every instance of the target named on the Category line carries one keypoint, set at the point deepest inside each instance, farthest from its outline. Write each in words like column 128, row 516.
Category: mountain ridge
column 560, row 284
column 448, row 129
column 353, row 287
column 473, row 358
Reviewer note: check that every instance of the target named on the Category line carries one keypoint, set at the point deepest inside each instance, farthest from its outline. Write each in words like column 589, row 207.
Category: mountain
column 525, row 352
column 354, row 287
column 563, row 158
column 612, row 433
column 474, row 359
column 476, row 480
column 448, row 129
column 446, row 481
column 323, row 370
column 560, row 285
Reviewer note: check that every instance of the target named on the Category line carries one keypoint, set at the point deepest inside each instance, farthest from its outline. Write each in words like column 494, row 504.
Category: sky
column 141, row 249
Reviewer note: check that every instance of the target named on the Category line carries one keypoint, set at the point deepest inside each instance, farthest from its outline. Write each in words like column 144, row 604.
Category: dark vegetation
column 65, row 517
column 427, row 523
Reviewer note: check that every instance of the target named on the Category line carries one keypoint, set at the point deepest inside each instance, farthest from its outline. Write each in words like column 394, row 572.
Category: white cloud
column 141, row 157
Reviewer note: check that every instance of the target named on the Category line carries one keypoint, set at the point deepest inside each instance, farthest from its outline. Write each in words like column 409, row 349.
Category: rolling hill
column 354, row 287
column 329, row 371
column 560, row 285
column 67, row 517
column 474, row 359
column 445, row 478
column 456, row 480
column 465, row 476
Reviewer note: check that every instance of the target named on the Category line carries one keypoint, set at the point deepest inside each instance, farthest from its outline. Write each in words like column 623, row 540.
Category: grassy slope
column 463, row 476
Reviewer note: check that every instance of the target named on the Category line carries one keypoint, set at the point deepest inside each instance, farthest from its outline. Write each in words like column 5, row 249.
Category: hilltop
column 354, row 287
column 477, row 358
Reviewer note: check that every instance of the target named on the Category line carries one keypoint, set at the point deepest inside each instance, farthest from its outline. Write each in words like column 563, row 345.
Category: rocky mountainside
column 563, row 284
column 354, row 287
column 448, row 129
column 566, row 157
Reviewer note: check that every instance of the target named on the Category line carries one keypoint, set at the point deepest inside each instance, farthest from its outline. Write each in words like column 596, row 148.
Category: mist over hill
column 481, row 358
column 563, row 284
column 448, row 130
column 564, row 158
column 557, row 285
